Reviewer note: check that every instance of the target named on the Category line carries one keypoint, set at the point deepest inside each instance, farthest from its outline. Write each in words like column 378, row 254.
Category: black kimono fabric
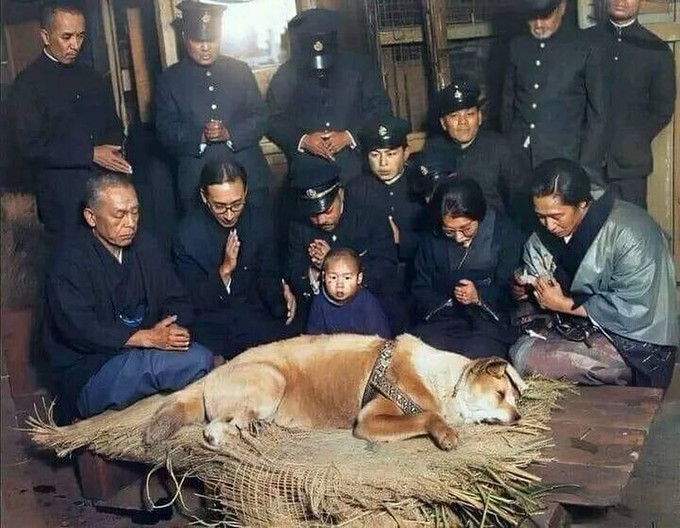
column 59, row 114
column 253, row 311
column 489, row 262
column 88, row 293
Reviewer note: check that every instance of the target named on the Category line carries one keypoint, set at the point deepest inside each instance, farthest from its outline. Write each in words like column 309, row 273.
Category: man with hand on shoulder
column 64, row 119
column 116, row 315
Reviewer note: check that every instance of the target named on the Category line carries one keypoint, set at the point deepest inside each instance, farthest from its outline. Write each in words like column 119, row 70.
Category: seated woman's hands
column 465, row 292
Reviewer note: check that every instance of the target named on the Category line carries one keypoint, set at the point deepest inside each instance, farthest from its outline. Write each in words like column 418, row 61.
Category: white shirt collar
column 49, row 56
column 393, row 180
column 625, row 24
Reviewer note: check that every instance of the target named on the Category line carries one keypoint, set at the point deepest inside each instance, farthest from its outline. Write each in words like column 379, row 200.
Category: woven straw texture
column 276, row 477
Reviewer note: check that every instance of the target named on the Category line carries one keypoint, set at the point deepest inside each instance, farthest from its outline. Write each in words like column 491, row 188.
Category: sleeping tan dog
column 385, row 390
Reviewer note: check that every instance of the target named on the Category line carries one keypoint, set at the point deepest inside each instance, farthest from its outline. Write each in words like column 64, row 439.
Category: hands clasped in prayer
column 326, row 144
column 465, row 292
column 214, row 131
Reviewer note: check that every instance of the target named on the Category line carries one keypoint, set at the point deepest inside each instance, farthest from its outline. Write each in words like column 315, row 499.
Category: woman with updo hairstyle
column 462, row 273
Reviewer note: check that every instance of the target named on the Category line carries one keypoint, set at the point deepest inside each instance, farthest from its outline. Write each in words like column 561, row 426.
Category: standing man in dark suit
column 65, row 120
column 641, row 82
column 330, row 219
column 320, row 98
column 554, row 94
column 209, row 108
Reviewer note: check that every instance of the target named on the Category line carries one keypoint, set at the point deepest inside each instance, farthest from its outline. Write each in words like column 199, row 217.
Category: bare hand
column 395, row 229
column 337, row 141
column 317, row 252
column 465, row 292
column 215, row 131
column 291, row 303
column 518, row 289
column 230, row 259
column 164, row 335
column 316, row 143
column 549, row 295
column 110, row 157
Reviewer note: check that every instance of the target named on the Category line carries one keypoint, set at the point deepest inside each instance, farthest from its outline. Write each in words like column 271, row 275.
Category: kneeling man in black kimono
column 116, row 314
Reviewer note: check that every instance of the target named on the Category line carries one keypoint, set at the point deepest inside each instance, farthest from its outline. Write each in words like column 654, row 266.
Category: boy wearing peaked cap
column 465, row 148
column 209, row 108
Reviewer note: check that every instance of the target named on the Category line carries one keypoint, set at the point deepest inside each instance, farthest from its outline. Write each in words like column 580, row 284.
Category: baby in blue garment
column 343, row 305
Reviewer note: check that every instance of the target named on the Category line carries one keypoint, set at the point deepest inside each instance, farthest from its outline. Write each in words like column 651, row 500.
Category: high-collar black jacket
column 641, row 87
column 198, row 251
column 554, row 94
column 59, row 114
column 358, row 229
column 349, row 96
column 188, row 95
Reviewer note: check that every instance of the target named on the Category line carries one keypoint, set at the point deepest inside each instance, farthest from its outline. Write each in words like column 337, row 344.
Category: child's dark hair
column 340, row 253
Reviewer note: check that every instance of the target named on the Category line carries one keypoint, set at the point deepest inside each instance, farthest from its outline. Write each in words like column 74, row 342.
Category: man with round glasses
column 226, row 255
column 116, row 315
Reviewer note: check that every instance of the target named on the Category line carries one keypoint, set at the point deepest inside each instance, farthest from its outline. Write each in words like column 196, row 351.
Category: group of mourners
column 523, row 245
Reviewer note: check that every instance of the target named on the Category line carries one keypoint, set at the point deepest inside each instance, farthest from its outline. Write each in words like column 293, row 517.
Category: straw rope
column 279, row 477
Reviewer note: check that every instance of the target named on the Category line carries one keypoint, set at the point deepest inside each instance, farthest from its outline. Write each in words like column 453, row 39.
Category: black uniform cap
column 539, row 8
column 387, row 132
column 457, row 96
column 201, row 21
column 316, row 182
column 314, row 37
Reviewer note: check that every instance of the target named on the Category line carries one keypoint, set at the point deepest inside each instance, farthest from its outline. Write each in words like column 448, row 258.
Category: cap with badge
column 457, row 96
column 201, row 21
column 388, row 132
column 435, row 168
column 314, row 37
column 316, row 183
column 539, row 8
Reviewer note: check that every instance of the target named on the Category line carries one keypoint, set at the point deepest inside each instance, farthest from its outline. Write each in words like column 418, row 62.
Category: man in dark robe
column 554, row 94
column 320, row 98
column 116, row 314
column 227, row 256
column 641, row 89
column 209, row 108
column 64, row 120
column 328, row 219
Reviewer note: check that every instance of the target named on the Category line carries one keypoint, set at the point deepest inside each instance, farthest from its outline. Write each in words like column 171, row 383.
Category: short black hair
column 96, row 184
column 227, row 171
column 564, row 178
column 48, row 10
column 342, row 253
column 459, row 197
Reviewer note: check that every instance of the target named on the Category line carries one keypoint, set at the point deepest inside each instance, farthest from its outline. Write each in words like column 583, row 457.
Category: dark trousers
column 633, row 190
column 140, row 372
column 477, row 340
column 651, row 365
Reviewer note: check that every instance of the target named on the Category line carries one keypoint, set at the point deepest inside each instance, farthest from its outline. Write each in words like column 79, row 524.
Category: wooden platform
column 598, row 436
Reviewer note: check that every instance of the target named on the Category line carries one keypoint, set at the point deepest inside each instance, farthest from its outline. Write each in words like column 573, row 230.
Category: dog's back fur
column 317, row 382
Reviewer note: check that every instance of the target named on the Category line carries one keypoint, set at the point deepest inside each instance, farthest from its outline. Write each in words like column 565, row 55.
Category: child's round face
column 342, row 279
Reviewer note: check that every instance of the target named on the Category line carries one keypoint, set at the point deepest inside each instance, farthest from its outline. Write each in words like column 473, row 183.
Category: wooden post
column 167, row 37
column 109, row 25
column 143, row 85
column 434, row 27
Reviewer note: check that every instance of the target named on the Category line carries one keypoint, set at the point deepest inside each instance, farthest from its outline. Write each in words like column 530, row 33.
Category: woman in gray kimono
column 603, row 271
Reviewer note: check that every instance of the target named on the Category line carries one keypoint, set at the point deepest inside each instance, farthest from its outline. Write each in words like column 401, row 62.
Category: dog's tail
column 182, row 408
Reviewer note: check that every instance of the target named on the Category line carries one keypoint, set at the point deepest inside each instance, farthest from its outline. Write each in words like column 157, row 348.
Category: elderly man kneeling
column 603, row 271
column 116, row 314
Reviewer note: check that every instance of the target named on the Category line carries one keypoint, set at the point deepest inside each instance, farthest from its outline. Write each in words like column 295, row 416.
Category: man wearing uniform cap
column 321, row 96
column 328, row 219
column 209, row 108
column 554, row 93
column 641, row 87
column 470, row 151
column 386, row 185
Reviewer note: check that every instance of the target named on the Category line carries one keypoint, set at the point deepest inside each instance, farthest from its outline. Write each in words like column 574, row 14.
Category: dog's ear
column 515, row 378
column 494, row 366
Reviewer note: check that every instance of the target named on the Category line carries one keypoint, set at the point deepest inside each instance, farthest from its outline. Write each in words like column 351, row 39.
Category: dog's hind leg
column 382, row 421
column 182, row 408
column 252, row 393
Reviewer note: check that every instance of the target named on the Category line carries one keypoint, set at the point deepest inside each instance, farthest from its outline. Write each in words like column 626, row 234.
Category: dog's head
column 489, row 391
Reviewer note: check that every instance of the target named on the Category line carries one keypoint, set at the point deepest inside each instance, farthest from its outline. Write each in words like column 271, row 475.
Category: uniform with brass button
column 209, row 108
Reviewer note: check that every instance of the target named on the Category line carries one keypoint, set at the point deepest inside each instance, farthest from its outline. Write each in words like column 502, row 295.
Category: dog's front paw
column 216, row 433
column 445, row 437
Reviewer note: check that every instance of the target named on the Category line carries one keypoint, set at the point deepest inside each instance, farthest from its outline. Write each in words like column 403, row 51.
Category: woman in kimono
column 462, row 273
column 604, row 268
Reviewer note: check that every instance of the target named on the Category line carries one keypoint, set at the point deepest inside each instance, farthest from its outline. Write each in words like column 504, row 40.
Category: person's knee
column 201, row 357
